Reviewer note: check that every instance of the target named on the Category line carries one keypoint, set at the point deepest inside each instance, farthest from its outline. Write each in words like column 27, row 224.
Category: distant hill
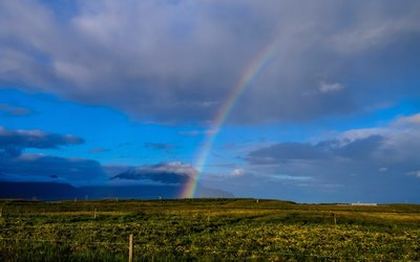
column 61, row 191
column 135, row 191
column 204, row 192
column 38, row 190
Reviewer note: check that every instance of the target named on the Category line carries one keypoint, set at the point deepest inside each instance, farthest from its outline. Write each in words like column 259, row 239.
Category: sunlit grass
column 208, row 229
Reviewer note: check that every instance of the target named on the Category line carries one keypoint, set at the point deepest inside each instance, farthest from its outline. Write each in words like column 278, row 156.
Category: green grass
column 205, row 229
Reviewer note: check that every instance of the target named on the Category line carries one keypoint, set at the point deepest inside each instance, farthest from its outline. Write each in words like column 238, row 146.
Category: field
column 174, row 230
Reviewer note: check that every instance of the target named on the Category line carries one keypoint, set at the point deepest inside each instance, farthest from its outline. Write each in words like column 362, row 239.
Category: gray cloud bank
column 174, row 61
column 377, row 163
column 16, row 164
column 16, row 140
column 168, row 173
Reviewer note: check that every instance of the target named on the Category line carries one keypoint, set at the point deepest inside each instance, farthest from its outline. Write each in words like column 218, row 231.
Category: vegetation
column 207, row 230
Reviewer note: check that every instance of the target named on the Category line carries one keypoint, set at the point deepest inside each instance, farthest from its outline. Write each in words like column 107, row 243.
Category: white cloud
column 238, row 172
column 414, row 173
column 409, row 120
column 383, row 169
column 325, row 87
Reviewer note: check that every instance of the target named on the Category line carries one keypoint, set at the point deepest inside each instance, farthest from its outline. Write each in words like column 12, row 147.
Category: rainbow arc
column 251, row 72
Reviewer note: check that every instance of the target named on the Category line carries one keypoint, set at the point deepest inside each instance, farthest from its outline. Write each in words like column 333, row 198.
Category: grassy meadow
column 205, row 229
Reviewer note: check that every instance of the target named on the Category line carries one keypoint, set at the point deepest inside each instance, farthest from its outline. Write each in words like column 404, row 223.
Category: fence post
column 130, row 248
column 1, row 211
column 94, row 214
column 335, row 219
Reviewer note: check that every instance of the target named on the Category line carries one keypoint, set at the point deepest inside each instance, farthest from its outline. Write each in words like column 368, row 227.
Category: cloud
column 180, row 61
column 16, row 165
column 414, row 173
column 330, row 87
column 238, row 172
column 12, row 110
column 192, row 133
column 159, row 146
column 344, row 148
column 286, row 151
column 397, row 142
column 167, row 173
column 98, row 150
column 409, row 120
column 356, row 160
column 383, row 169
column 12, row 141
column 34, row 167
column 35, row 139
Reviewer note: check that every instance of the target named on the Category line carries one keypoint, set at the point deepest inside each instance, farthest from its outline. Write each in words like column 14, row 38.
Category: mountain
column 205, row 192
column 135, row 191
column 38, row 190
column 61, row 191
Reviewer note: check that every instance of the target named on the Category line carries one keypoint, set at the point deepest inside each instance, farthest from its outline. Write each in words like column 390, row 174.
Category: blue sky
column 89, row 90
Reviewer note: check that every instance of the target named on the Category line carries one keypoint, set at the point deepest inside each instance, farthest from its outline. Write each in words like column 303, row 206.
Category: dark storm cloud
column 285, row 151
column 14, row 164
column 358, row 148
column 75, row 171
column 182, row 58
column 167, row 173
column 366, row 162
column 35, row 139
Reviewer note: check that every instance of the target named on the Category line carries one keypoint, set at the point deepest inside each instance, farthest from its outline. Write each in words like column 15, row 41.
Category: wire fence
column 137, row 246
column 123, row 245
column 219, row 252
column 61, row 241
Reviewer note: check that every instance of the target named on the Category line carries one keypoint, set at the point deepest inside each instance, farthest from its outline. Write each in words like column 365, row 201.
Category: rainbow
column 251, row 72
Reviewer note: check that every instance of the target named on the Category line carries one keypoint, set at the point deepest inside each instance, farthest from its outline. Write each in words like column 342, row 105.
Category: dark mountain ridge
column 62, row 191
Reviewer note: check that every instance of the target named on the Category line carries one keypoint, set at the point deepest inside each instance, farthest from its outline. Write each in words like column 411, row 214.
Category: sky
column 312, row 101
